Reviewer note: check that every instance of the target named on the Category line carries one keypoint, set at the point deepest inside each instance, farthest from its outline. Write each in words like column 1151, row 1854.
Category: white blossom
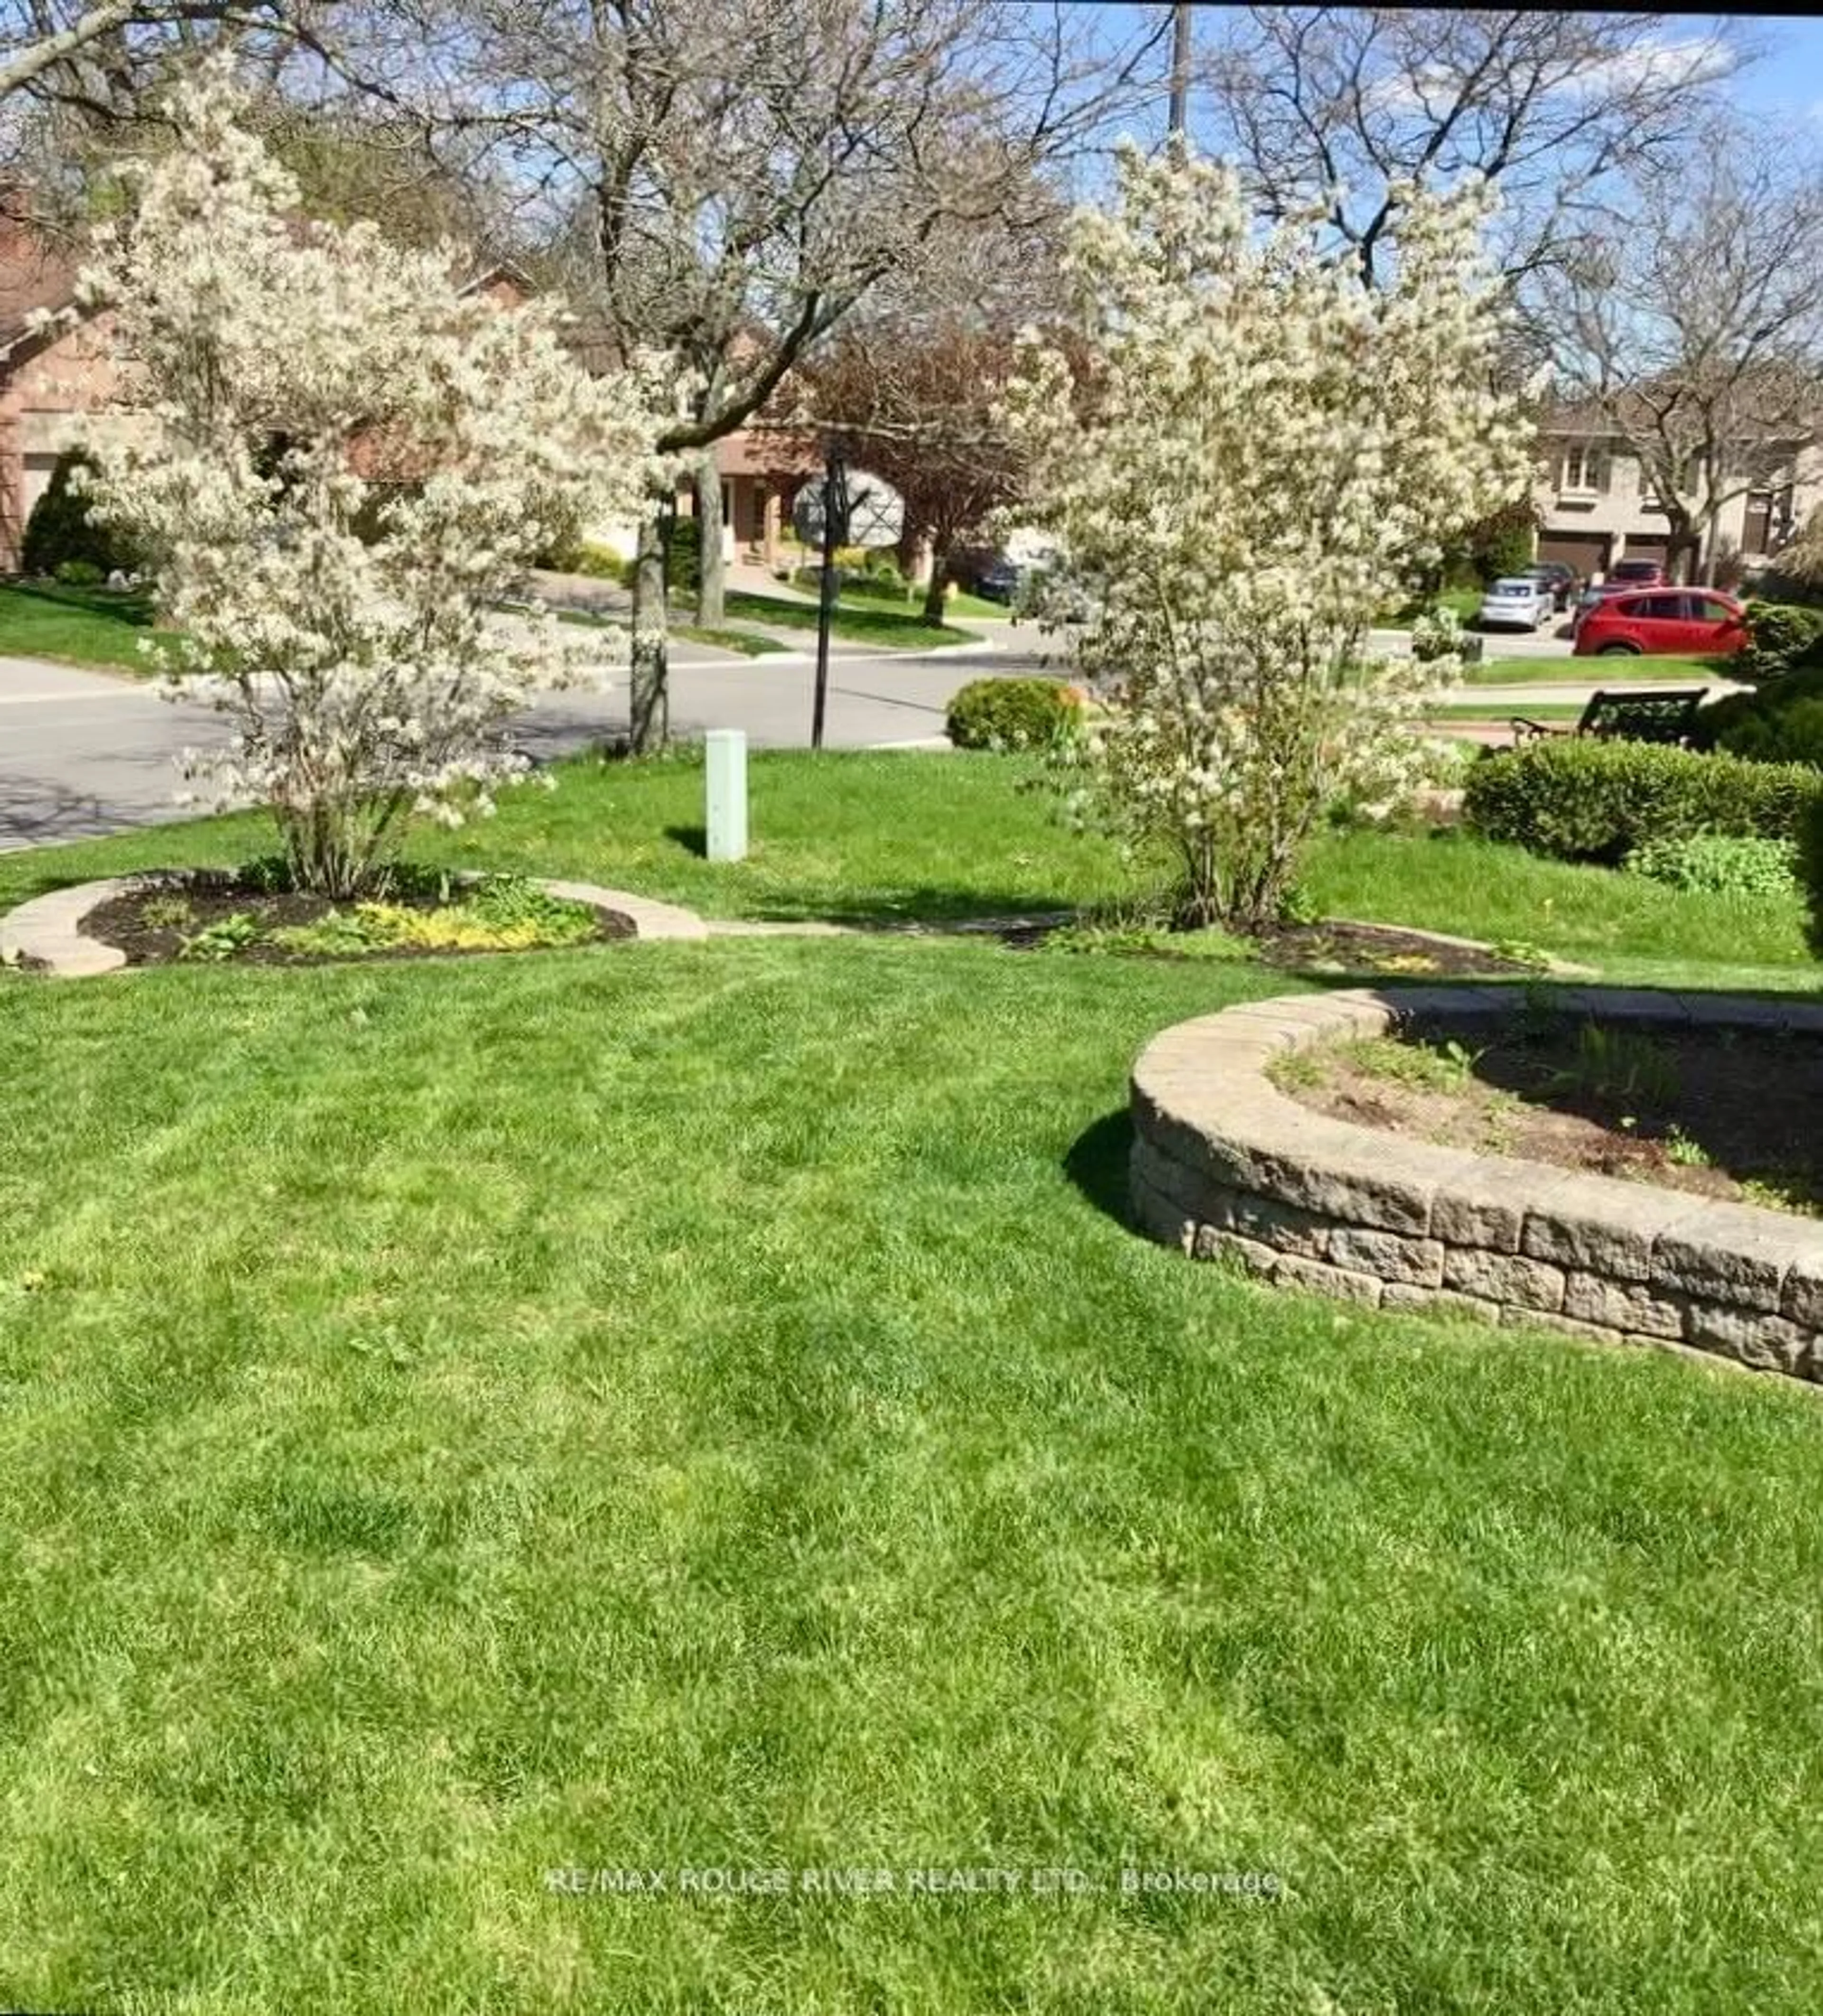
column 344, row 463
column 1260, row 453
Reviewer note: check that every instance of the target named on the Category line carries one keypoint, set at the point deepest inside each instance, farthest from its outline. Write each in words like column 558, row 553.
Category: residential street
column 84, row 752
column 87, row 752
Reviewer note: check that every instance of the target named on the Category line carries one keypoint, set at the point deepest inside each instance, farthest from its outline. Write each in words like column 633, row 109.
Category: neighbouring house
column 47, row 375
column 57, row 380
column 1596, row 504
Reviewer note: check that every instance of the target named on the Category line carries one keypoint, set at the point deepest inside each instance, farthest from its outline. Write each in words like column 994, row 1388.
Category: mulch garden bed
column 122, row 922
column 1736, row 1115
column 1326, row 948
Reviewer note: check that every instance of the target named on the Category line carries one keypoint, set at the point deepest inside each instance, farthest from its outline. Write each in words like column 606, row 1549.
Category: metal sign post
column 835, row 516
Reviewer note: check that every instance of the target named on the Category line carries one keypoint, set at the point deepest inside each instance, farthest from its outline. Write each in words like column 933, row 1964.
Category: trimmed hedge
column 1008, row 713
column 1582, row 800
column 1810, row 870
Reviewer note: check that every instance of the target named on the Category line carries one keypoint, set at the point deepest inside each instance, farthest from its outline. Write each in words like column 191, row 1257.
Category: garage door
column 1585, row 551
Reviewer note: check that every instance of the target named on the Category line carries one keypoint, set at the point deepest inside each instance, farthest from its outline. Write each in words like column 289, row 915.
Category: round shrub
column 78, row 574
column 1583, row 800
column 60, row 529
column 1009, row 714
column 1718, row 865
column 1780, row 634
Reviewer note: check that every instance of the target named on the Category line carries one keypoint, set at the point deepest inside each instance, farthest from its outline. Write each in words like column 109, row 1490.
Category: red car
column 1637, row 573
column 1678, row 622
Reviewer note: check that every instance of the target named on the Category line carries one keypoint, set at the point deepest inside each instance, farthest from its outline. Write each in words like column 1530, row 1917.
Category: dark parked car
column 998, row 581
column 1592, row 598
column 1559, row 577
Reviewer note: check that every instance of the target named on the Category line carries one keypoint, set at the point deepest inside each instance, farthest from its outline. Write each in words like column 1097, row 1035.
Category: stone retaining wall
column 1225, row 1165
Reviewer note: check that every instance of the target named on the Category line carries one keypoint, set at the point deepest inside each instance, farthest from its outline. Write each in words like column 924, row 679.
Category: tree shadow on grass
column 1096, row 1164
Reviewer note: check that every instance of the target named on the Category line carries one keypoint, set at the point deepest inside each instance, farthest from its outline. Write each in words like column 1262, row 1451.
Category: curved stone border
column 48, row 930
column 1226, row 1165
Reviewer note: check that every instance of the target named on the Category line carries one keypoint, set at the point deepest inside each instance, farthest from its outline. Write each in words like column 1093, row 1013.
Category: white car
column 1518, row 602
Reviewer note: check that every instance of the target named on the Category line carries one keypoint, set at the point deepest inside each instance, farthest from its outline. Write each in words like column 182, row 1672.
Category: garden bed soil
column 1341, row 948
column 121, row 922
column 1705, row 1125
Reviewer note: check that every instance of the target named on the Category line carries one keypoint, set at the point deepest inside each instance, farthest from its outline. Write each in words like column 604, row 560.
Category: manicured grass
column 889, row 836
column 900, row 629
column 1549, row 710
column 1594, row 671
column 748, row 643
column 958, row 601
column 80, row 626
column 663, row 1406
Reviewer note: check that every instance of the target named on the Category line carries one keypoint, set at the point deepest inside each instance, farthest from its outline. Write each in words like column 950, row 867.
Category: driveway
column 83, row 753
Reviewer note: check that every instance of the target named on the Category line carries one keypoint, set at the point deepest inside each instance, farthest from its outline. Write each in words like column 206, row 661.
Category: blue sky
column 1788, row 82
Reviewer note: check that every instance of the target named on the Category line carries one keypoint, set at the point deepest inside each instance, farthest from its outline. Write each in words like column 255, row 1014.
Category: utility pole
column 835, row 530
column 1179, row 68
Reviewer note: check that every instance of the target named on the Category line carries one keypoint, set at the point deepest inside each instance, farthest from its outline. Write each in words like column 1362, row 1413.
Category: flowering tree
column 347, row 461
column 1263, row 453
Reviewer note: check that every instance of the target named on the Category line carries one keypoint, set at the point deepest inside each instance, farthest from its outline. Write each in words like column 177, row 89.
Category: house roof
column 1765, row 401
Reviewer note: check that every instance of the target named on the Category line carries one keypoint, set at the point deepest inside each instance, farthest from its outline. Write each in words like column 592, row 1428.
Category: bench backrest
column 1639, row 715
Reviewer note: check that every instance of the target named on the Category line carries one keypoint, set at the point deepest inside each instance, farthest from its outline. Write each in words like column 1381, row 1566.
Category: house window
column 1582, row 474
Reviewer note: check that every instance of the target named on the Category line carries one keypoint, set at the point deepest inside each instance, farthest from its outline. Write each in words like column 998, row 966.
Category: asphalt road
column 83, row 753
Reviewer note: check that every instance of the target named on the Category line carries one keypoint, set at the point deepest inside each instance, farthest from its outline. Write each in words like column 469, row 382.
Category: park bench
column 1633, row 715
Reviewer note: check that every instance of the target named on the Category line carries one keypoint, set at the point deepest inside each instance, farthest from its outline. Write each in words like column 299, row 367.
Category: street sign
column 874, row 514
column 876, row 511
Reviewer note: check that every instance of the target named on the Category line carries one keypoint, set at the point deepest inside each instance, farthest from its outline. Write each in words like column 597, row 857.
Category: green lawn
column 748, row 643
column 1489, row 709
column 82, row 626
column 901, row 629
column 958, row 601
column 1593, row 671
column 697, row 1405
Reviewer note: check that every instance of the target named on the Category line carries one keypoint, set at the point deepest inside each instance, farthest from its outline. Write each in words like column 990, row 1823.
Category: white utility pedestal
column 726, row 810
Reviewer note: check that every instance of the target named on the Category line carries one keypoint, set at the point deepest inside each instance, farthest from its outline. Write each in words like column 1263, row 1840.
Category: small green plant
column 167, row 913
column 1621, row 1066
column 1522, row 952
column 78, row 574
column 505, row 913
column 1720, row 864
column 1296, row 1070
column 1687, row 1154
column 1782, row 1190
column 1446, row 1065
column 222, row 939
column 1298, row 906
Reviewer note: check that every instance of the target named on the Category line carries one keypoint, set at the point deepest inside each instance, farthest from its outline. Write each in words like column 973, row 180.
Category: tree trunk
column 712, row 579
column 650, row 694
column 935, row 587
